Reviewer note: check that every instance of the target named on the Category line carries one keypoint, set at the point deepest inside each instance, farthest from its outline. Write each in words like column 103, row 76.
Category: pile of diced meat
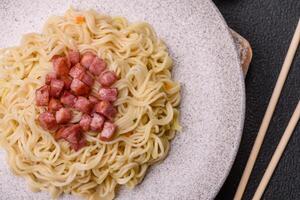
column 69, row 88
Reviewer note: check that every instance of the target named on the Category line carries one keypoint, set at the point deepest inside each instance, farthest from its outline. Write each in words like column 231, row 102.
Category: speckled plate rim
column 242, row 82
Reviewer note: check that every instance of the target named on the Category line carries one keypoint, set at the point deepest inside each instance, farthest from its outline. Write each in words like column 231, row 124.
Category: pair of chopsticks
column 265, row 124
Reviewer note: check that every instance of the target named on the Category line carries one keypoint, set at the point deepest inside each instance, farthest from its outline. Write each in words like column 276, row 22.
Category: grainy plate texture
column 206, row 64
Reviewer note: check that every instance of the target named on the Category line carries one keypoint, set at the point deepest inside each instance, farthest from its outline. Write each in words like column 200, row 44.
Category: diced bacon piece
column 42, row 95
column 67, row 81
column 49, row 77
column 77, row 70
column 87, row 59
column 107, row 78
column 47, row 121
column 79, row 145
column 97, row 122
column 87, row 79
column 93, row 99
column 73, row 135
column 61, row 65
column 79, row 87
column 85, row 122
column 55, row 57
column 106, row 109
column 63, row 115
column 54, row 105
column 68, row 99
column 61, row 133
column 56, row 87
column 98, row 66
column 108, row 94
column 83, row 105
column 74, row 57
column 108, row 131
column 65, row 132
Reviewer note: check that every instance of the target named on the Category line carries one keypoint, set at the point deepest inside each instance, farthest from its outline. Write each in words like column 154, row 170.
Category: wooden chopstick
column 278, row 153
column 269, row 112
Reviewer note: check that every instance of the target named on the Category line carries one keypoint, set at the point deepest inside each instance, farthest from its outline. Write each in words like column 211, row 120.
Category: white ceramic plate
column 213, row 100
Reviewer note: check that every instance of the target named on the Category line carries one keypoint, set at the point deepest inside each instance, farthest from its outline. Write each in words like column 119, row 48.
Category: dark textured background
column 269, row 26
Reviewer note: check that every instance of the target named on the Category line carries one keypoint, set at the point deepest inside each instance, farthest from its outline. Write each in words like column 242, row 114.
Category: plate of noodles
column 111, row 99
